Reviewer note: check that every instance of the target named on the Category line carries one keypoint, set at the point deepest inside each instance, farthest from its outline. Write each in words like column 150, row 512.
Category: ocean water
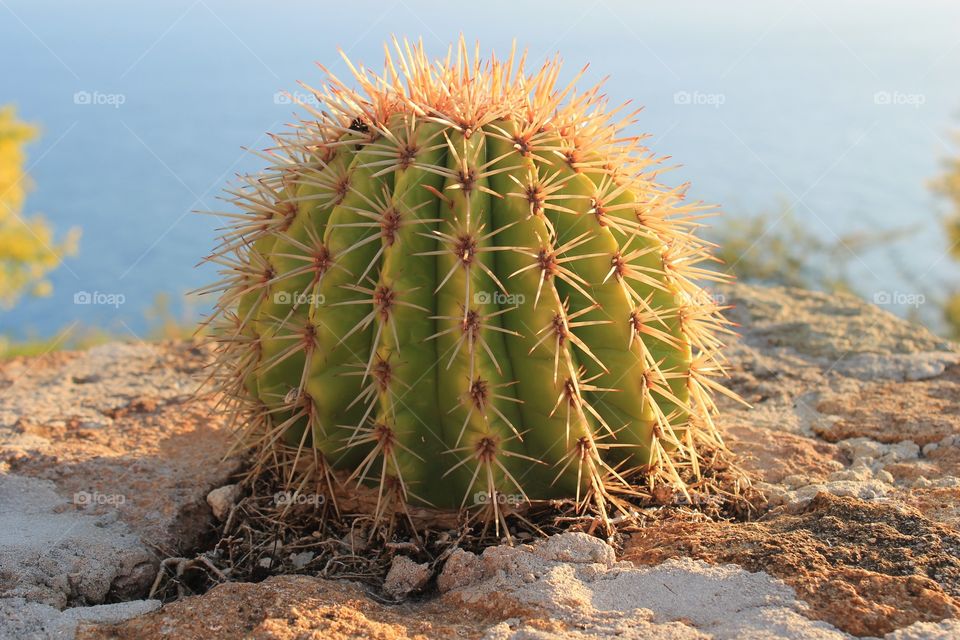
column 842, row 110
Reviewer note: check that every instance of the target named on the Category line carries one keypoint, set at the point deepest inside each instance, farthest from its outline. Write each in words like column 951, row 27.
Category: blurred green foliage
column 28, row 250
column 947, row 185
column 778, row 248
column 162, row 324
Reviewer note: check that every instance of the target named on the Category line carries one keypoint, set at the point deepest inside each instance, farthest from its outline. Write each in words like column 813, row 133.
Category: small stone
column 854, row 474
column 884, row 476
column 576, row 548
column 222, row 499
column 354, row 540
column 406, row 576
column 462, row 568
column 861, row 448
column 302, row 559
column 795, row 481
column 947, row 482
column 904, row 450
column 775, row 494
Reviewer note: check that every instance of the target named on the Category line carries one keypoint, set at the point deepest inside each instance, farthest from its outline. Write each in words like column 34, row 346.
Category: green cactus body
column 459, row 290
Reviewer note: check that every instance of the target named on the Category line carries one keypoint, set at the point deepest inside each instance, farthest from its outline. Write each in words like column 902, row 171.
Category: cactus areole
column 460, row 285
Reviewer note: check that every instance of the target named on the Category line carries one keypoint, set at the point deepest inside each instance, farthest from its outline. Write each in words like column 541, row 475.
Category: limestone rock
column 406, row 576
column 25, row 620
column 105, row 462
column 853, row 434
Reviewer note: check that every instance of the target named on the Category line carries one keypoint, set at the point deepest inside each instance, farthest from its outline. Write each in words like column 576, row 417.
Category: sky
column 841, row 111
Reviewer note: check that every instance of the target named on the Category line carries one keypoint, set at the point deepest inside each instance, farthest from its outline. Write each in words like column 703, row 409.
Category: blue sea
column 840, row 110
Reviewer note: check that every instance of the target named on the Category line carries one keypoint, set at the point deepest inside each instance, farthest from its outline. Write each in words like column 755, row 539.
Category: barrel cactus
column 461, row 284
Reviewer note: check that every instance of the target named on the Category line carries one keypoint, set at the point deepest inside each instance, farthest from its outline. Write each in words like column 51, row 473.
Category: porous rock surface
column 105, row 463
column 853, row 434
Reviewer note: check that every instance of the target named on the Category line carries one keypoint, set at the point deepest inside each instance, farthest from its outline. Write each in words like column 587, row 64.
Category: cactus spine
column 462, row 280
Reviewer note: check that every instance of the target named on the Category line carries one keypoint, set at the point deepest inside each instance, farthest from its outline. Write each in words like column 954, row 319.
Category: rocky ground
column 854, row 436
